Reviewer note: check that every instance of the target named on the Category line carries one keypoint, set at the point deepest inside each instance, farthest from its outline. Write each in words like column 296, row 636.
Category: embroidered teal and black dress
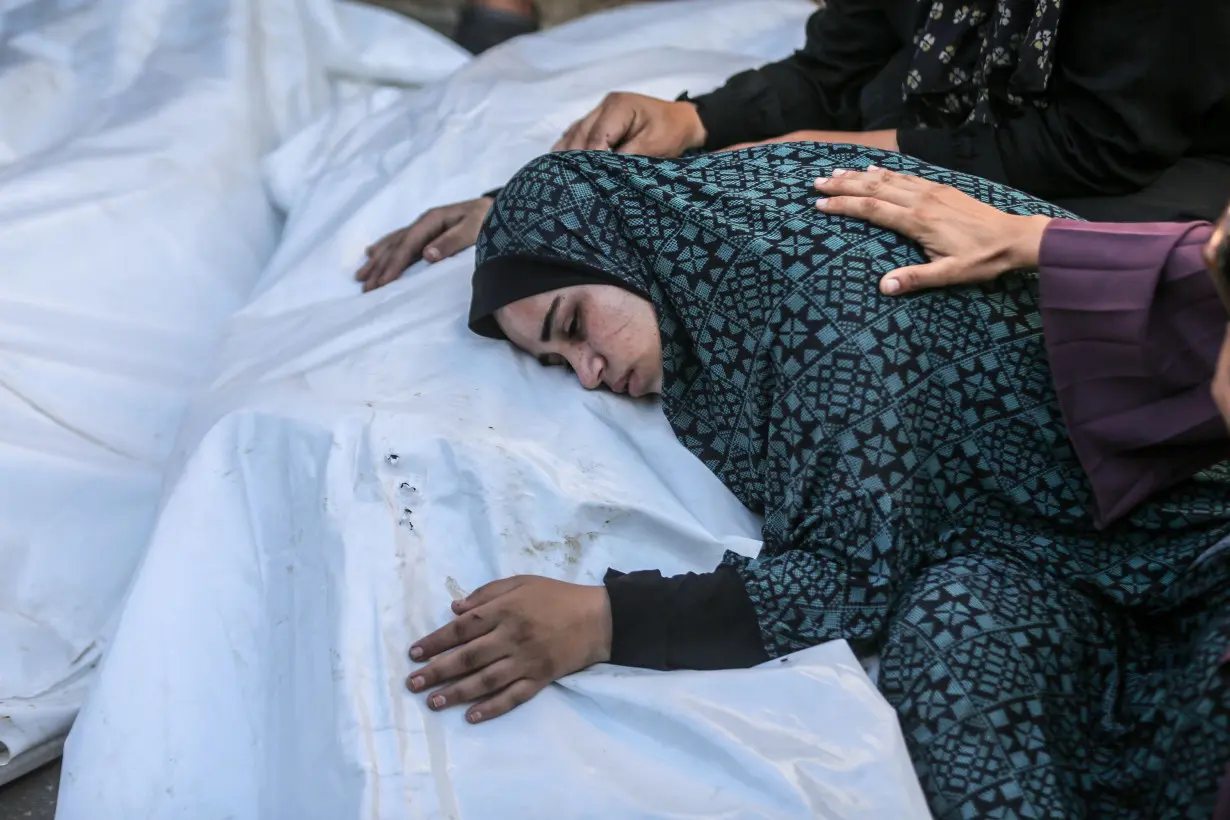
column 920, row 491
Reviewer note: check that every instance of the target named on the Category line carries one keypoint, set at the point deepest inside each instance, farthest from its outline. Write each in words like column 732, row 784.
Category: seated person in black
column 1118, row 110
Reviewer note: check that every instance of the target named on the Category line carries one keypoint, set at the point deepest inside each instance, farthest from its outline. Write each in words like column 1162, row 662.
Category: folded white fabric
column 358, row 461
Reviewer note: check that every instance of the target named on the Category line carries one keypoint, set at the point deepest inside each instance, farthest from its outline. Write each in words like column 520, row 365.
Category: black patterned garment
column 981, row 61
column 1121, row 110
column 920, row 495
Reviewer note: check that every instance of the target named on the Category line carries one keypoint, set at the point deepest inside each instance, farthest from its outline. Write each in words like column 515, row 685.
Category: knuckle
column 468, row 659
column 522, row 631
column 543, row 669
column 520, row 693
column 489, row 681
column 440, row 666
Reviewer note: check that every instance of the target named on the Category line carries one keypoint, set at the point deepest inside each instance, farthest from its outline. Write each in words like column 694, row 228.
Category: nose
column 589, row 367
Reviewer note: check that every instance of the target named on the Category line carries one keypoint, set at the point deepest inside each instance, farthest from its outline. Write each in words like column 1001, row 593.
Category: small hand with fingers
column 966, row 241
column 636, row 124
column 437, row 234
column 509, row 640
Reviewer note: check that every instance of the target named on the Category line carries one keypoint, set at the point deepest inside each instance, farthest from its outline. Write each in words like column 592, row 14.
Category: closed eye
column 553, row 360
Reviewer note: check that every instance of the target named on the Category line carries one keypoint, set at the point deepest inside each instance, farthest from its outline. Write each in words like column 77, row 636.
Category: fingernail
column 820, row 181
column 437, row 702
column 474, row 717
column 891, row 286
column 416, row 652
column 416, row 683
column 840, row 172
column 431, row 255
column 874, row 168
column 822, row 202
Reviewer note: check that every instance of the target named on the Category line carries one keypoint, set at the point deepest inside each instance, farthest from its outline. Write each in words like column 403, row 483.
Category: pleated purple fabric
column 1133, row 327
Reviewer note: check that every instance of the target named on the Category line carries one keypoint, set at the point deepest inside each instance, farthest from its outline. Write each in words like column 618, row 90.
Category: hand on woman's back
column 967, row 241
column 437, row 234
column 636, row 124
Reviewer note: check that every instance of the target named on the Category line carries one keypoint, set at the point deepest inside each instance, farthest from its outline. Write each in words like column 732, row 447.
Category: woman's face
column 607, row 335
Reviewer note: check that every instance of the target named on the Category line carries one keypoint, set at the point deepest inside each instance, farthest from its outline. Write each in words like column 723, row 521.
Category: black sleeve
column 1133, row 81
column 848, row 43
column 684, row 622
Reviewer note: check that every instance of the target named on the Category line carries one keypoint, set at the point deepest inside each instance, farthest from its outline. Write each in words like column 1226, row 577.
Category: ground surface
column 32, row 797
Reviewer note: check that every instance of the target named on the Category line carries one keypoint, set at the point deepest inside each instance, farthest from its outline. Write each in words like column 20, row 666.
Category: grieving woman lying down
column 1049, row 640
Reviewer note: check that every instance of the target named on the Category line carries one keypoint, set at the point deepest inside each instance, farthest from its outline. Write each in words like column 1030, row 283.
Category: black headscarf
column 506, row 279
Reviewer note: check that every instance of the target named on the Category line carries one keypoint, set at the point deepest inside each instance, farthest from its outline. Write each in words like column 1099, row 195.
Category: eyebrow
column 549, row 319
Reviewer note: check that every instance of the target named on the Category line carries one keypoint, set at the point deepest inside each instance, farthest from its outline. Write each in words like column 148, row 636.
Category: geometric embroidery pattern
column 920, row 494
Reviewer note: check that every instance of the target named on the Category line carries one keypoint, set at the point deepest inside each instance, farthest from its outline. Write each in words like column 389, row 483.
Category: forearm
column 819, row 86
column 883, row 140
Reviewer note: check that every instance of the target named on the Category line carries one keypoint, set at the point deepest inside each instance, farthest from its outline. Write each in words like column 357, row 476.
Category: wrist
column 1025, row 244
column 695, row 134
column 885, row 140
column 603, row 626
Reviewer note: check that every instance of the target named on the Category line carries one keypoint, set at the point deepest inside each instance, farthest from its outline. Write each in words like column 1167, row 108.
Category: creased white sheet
column 356, row 462
column 134, row 223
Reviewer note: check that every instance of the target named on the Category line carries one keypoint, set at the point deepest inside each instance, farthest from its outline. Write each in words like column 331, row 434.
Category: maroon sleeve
column 1133, row 327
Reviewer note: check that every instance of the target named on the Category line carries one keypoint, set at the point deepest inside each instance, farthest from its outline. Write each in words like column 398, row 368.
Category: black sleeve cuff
column 742, row 110
column 971, row 150
column 688, row 621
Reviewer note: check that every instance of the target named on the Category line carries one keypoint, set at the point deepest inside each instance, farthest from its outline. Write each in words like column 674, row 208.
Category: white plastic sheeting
column 356, row 462
column 133, row 223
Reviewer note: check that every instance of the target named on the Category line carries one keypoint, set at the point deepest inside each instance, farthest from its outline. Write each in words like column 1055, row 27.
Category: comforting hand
column 636, row 124
column 966, row 240
column 436, row 235
column 510, row 639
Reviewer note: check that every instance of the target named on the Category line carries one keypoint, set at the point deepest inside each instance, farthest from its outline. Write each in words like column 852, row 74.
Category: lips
column 623, row 384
